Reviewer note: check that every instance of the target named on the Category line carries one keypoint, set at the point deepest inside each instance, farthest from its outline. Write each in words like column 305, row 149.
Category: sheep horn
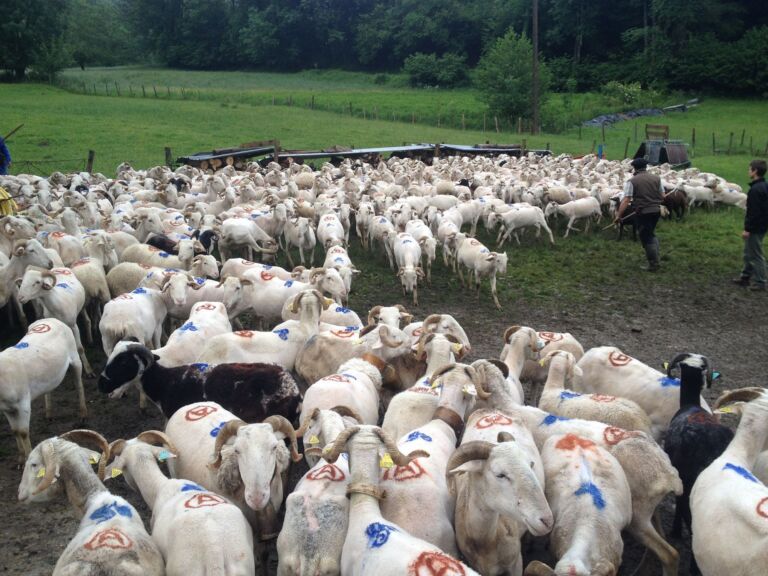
column 385, row 339
column 347, row 411
column 281, row 424
column 426, row 326
column 509, row 331
column 156, row 437
column 296, row 302
column 536, row 568
column 373, row 315
column 315, row 272
column 439, row 372
column 82, row 435
column 423, row 340
column 501, row 366
column 230, row 429
column 19, row 248
column 740, row 395
column 339, row 444
column 505, row 437
column 307, row 421
column 475, row 450
column 116, row 447
column 398, row 457
column 482, row 393
column 676, row 362
column 51, row 467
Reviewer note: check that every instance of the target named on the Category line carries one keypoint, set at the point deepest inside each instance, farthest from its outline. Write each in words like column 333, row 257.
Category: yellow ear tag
column 541, row 362
column 41, row 472
column 386, row 461
column 456, row 348
column 725, row 410
column 469, row 389
column 435, row 383
column 666, row 365
column 116, row 472
column 358, row 341
column 94, row 458
column 314, row 440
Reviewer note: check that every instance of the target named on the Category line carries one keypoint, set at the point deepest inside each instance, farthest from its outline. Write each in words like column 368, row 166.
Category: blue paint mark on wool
column 62, row 285
column 201, row 366
column 567, row 395
column 416, row 435
column 550, row 419
column 743, row 472
column 267, row 266
column 339, row 259
column 189, row 326
column 378, row 534
column 163, row 254
column 139, row 291
column 342, row 310
column 288, row 283
column 199, row 281
column 192, row 487
column 666, row 382
column 282, row 333
column 217, row 429
column 109, row 511
column 22, row 345
column 591, row 489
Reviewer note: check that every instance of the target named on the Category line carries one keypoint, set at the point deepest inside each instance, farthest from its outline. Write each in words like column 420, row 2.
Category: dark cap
column 639, row 163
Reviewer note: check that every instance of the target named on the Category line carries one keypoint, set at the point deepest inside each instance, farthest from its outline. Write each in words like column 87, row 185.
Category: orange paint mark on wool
column 571, row 442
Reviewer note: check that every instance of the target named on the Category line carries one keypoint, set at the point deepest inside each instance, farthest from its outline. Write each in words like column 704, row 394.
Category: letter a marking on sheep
column 378, row 534
column 111, row 538
column 435, row 564
column 39, row 329
column 416, row 435
column 762, row 508
column 618, row 359
column 327, row 472
column 493, row 420
column 410, row 472
column 194, row 414
column 204, row 500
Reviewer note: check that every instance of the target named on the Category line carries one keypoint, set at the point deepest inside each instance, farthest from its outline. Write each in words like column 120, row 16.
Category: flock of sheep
column 416, row 460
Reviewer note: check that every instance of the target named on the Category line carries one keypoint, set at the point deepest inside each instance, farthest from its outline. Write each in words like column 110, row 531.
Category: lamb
column 591, row 502
column 338, row 258
column 207, row 319
column 648, row 470
column 495, row 491
column 244, row 232
column 330, row 231
column 581, row 209
column 556, row 399
column 35, row 366
column 728, row 491
column 607, row 370
column 521, row 217
column 243, row 462
column 139, row 314
column 111, row 538
column 90, row 272
column 146, row 254
column 62, row 297
column 300, row 233
column 408, row 259
column 363, row 216
column 481, row 262
column 180, row 508
column 694, row 438
column 251, row 391
column 438, row 323
column 373, row 545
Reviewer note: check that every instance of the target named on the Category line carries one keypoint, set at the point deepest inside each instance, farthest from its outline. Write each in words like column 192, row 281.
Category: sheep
column 90, row 272
column 35, row 366
column 649, row 472
column 727, row 492
column 423, row 235
column 481, row 262
column 374, row 545
column 408, row 258
column 495, row 491
column 207, row 319
column 239, row 267
column 591, row 502
column 521, row 345
column 281, row 346
column 333, row 317
column 299, row 233
column 180, row 508
column 363, row 216
column 694, row 438
column 338, row 258
column 244, row 462
column 383, row 231
column 317, row 511
column 330, row 231
column 396, row 316
column 356, row 386
column 581, row 209
column 676, row 201
column 521, row 217
column 556, row 399
column 146, row 254
column 536, row 374
column 24, row 253
column 12, row 229
column 111, row 538
column 252, row 391
column 244, row 232
column 607, row 370
column 69, row 247
column 698, row 195
column 62, row 297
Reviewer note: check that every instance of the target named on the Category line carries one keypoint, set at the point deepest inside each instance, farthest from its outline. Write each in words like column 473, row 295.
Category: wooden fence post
column 168, row 157
column 579, row 131
column 635, row 131
column 602, row 130
column 496, row 121
column 313, row 102
column 130, row 89
column 154, row 88
column 106, row 88
column 89, row 163
column 594, row 143
column 519, row 124
column 714, row 145
column 693, row 139
column 143, row 92
column 117, row 88
column 463, row 122
column 730, row 144
column 483, row 121
column 277, row 151
column 751, row 149
column 743, row 132
column 169, row 91
column 626, row 148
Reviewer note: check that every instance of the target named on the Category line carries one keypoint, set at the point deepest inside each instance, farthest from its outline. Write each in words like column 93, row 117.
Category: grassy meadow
column 60, row 126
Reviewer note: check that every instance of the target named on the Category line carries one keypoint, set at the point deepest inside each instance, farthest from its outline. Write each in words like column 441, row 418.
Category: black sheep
column 250, row 391
column 162, row 242
column 695, row 438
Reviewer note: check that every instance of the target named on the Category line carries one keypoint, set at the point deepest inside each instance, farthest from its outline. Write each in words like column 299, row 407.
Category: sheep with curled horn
column 396, row 316
column 439, row 323
column 111, row 537
column 374, row 545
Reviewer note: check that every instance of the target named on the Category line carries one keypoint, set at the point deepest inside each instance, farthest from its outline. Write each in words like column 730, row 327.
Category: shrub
column 424, row 70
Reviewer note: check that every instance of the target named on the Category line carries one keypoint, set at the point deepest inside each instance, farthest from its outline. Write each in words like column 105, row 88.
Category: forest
column 707, row 46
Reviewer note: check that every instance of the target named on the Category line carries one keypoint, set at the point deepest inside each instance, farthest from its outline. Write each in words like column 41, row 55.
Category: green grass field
column 61, row 126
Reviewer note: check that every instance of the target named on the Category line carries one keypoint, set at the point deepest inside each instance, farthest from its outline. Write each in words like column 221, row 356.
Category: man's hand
column 745, row 234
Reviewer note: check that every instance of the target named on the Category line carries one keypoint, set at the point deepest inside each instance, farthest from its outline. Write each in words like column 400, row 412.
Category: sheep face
column 33, row 254
column 34, row 284
column 32, row 477
column 261, row 457
column 124, row 367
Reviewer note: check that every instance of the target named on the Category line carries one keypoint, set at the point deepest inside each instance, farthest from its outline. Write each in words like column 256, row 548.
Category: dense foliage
column 717, row 46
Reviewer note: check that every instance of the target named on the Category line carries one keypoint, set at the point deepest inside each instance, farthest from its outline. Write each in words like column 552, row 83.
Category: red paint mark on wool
column 550, row 336
column 204, row 500
column 436, row 564
column 327, row 472
column 618, row 359
column 613, row 435
column 111, row 538
column 39, row 329
column 410, row 472
column 493, row 420
column 571, row 442
column 194, row 414
column 602, row 398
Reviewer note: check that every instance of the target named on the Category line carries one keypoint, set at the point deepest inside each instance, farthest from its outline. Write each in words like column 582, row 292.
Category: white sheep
column 206, row 320
column 138, row 314
column 581, row 209
column 300, row 233
column 408, row 258
column 480, row 262
column 521, row 217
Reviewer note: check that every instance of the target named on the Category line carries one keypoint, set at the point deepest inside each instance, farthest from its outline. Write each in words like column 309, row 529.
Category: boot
column 741, row 281
column 652, row 254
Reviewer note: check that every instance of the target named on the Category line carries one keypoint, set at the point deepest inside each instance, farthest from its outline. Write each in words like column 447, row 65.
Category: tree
column 504, row 75
column 26, row 25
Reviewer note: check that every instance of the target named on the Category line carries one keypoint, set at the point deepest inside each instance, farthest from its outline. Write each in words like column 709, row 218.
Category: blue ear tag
column 164, row 455
column 716, row 375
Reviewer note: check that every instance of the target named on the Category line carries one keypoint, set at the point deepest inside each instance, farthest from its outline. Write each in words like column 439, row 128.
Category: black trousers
column 646, row 227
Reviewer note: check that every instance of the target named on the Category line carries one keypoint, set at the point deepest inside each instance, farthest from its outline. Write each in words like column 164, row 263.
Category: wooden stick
column 12, row 132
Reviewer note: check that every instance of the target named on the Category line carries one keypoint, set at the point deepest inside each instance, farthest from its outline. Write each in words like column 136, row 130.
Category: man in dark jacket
column 755, row 227
column 646, row 194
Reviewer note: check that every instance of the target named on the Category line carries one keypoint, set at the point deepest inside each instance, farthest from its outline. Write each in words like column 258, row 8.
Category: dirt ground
column 726, row 323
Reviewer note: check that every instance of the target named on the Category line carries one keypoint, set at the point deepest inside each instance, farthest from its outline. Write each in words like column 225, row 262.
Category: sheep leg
column 493, row 292
column 76, row 370
column 18, row 418
column 81, row 352
column 19, row 312
column 87, row 324
column 642, row 529
column 415, row 295
column 48, row 406
column 288, row 254
column 461, row 275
